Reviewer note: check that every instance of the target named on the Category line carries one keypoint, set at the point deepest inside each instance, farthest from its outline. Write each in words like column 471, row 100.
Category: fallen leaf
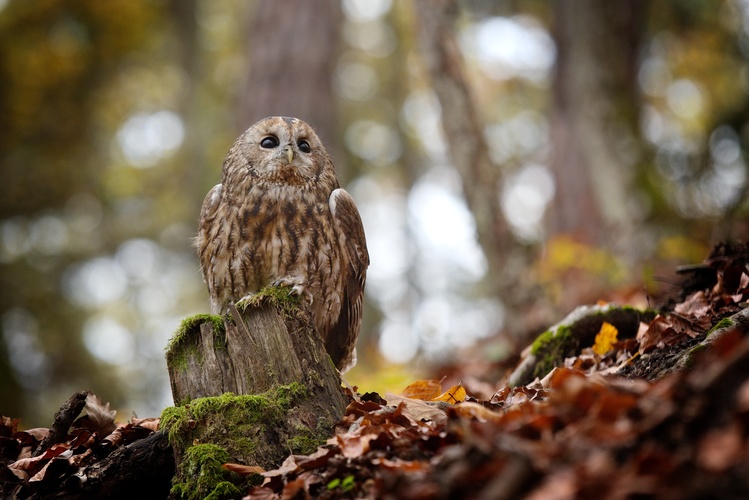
column 426, row 390
column 696, row 305
column 151, row 423
column 453, row 395
column 99, row 417
column 721, row 448
column 418, row 410
column 244, row 470
column 605, row 338
column 399, row 464
column 261, row 493
column 656, row 330
column 481, row 413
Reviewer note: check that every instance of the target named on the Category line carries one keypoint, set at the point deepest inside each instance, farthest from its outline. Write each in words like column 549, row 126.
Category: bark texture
column 292, row 49
column 594, row 120
column 255, row 351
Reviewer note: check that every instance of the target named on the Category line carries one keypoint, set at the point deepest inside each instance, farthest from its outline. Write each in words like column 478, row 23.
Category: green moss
column 550, row 348
column 234, row 425
column 306, row 440
column 191, row 324
column 173, row 421
column 278, row 296
column 538, row 345
column 179, row 349
column 285, row 395
column 241, row 417
column 699, row 348
column 722, row 324
column 204, row 476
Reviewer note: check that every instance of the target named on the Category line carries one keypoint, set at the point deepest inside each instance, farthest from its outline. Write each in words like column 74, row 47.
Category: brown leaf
column 261, row 493
column 289, row 465
column 397, row 464
column 33, row 463
column 721, row 448
column 691, row 326
column 38, row 433
column 317, row 459
column 470, row 409
column 651, row 337
column 244, row 470
column 295, row 489
column 426, row 390
column 99, row 418
column 151, row 423
column 418, row 410
column 361, row 408
column 355, row 445
column 696, row 305
column 8, row 426
column 742, row 397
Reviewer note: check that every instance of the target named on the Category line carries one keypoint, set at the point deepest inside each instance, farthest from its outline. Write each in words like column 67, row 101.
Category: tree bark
column 508, row 262
column 257, row 350
column 594, row 120
column 292, row 64
column 142, row 469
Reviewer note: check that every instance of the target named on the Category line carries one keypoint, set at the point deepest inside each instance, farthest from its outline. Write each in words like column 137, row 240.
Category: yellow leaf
column 605, row 338
column 455, row 394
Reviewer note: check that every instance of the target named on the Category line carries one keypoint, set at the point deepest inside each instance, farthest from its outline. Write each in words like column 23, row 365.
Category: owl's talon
column 245, row 301
column 296, row 283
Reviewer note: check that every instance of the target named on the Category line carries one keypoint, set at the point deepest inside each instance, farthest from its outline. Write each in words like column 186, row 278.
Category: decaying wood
column 64, row 418
column 142, row 469
column 269, row 351
column 260, row 349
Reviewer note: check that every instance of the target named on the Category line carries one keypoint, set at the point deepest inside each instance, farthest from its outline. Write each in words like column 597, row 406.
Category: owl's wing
column 210, row 203
column 203, row 239
column 341, row 339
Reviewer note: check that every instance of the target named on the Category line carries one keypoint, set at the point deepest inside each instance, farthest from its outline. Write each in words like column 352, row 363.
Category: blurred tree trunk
column 594, row 120
column 509, row 262
column 292, row 53
column 193, row 155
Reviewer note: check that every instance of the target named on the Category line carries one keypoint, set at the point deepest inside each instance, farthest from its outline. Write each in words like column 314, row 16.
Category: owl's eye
column 269, row 142
column 304, row 146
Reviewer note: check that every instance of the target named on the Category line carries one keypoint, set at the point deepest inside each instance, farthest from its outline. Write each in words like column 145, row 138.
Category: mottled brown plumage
column 279, row 217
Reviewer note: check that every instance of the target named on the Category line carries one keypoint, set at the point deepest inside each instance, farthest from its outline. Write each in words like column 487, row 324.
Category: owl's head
column 279, row 149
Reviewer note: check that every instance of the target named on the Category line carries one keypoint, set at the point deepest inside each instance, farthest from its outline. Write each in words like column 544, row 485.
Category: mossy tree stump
column 257, row 383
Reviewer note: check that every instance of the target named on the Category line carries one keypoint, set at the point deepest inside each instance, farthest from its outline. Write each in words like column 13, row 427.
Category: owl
column 280, row 218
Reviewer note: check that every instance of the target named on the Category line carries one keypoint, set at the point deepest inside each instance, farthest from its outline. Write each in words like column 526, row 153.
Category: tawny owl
column 280, row 218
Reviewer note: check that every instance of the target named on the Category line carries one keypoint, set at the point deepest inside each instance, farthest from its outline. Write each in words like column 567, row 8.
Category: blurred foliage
column 115, row 118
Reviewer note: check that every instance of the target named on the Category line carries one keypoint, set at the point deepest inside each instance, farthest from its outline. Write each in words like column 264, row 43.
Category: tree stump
column 257, row 384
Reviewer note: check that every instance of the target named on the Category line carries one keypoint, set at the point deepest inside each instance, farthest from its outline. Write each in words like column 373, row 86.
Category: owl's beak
column 289, row 153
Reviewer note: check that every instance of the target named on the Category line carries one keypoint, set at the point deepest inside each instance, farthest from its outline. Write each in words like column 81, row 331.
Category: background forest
column 510, row 159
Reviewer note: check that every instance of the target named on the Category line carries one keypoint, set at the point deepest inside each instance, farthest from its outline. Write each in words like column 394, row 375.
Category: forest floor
column 616, row 418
